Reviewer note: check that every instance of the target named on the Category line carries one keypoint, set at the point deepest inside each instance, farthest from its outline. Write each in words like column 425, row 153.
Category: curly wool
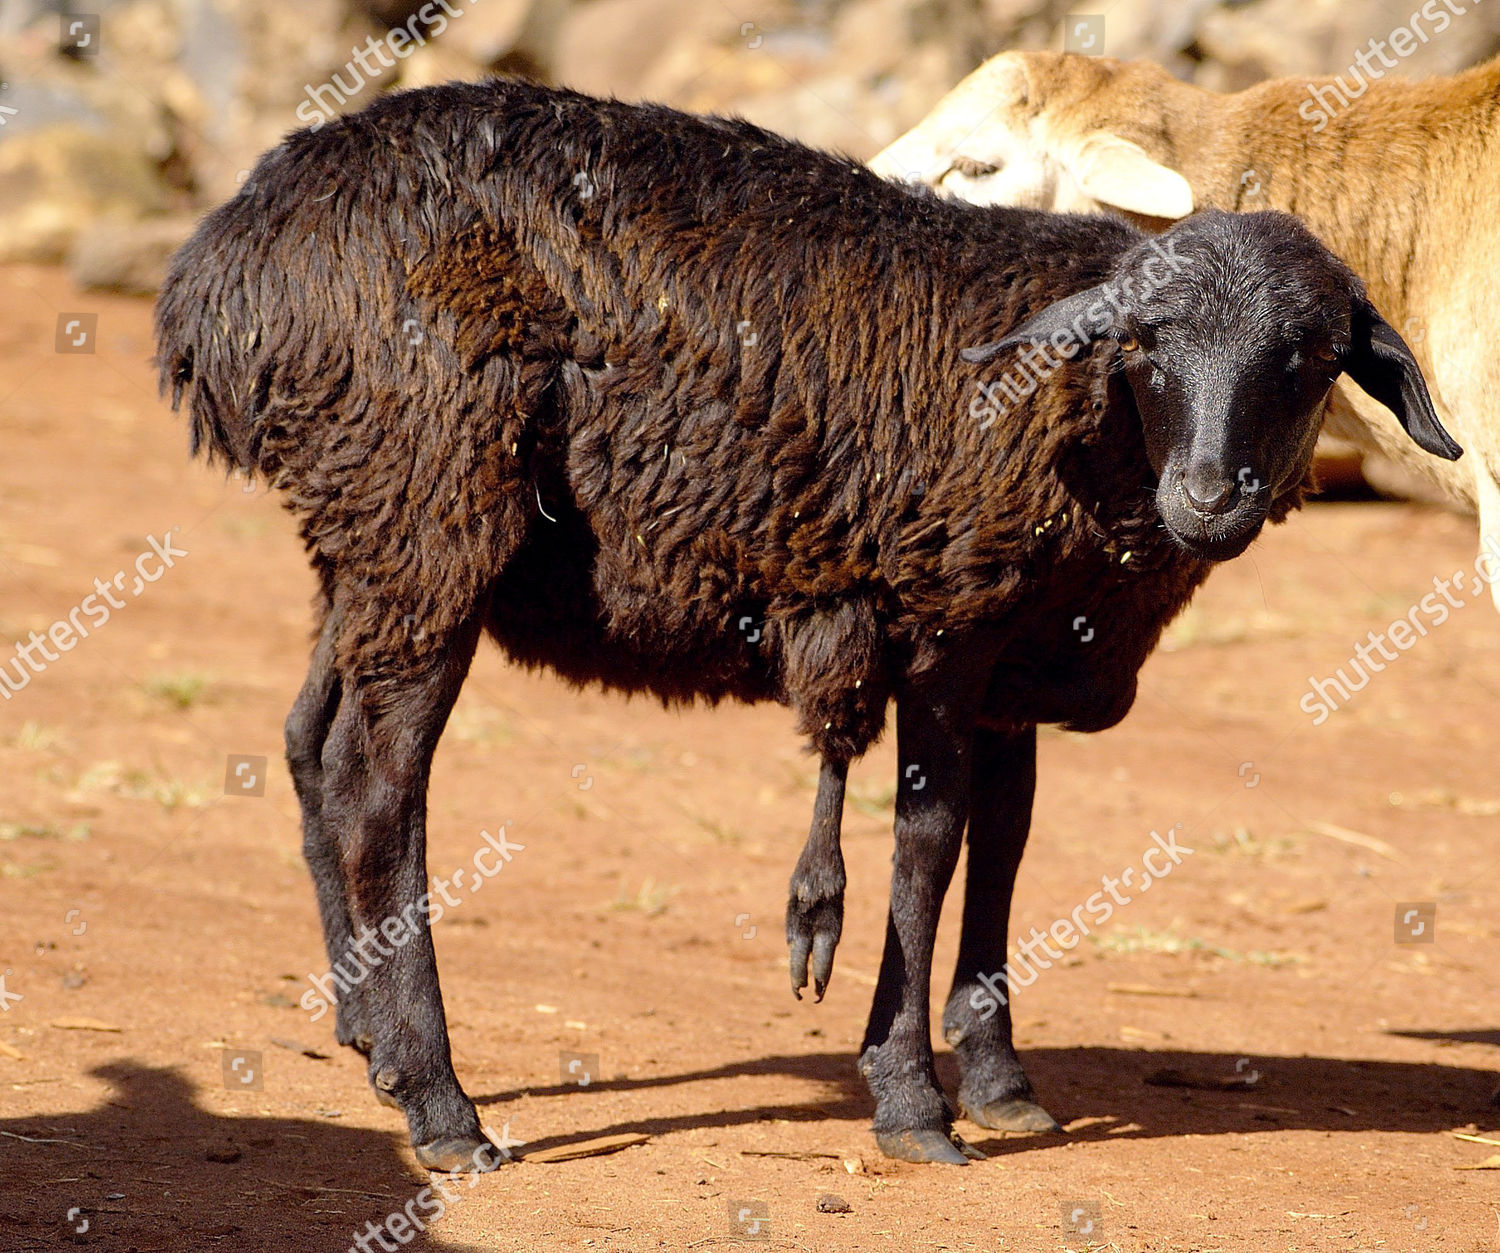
column 675, row 404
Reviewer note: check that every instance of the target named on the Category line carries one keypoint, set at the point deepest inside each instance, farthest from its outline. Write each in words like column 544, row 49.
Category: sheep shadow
column 149, row 1168
column 1124, row 1093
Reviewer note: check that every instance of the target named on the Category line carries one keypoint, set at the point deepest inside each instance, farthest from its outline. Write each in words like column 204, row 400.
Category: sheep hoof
column 459, row 1155
column 943, row 1147
column 812, row 931
column 1013, row 1116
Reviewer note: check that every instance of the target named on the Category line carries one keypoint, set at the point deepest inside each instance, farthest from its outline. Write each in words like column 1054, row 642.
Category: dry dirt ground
column 153, row 928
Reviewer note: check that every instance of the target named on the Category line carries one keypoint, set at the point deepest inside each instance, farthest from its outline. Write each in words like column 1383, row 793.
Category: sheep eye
column 971, row 168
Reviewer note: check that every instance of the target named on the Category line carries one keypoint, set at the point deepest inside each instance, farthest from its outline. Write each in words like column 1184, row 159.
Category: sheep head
column 1230, row 330
column 1040, row 130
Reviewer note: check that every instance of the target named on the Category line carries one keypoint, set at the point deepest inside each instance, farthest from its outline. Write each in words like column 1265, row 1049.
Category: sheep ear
column 1118, row 173
column 1382, row 364
column 1062, row 315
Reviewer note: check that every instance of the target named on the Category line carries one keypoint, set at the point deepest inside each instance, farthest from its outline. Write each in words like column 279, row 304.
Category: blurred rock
column 387, row 12
column 128, row 257
column 1160, row 30
column 241, row 69
column 180, row 98
column 1226, row 45
column 611, row 46
column 843, row 74
column 56, row 181
column 183, row 95
column 1314, row 37
column 491, row 30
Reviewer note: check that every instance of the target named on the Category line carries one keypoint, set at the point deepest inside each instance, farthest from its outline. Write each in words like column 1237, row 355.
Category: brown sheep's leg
column 306, row 732
column 815, row 902
column 913, row 1120
column 995, row 1092
column 375, row 765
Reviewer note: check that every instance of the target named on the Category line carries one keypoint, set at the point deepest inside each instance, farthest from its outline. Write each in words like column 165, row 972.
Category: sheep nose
column 1206, row 490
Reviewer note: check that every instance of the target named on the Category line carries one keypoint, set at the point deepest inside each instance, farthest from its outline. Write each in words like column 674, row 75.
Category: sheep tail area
column 339, row 330
column 253, row 322
column 205, row 355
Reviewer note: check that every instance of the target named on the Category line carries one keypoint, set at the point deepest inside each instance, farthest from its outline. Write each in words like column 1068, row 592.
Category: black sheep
column 609, row 381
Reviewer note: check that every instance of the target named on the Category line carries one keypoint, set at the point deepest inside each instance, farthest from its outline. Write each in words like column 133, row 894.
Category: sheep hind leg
column 815, row 900
column 995, row 1091
column 376, row 765
column 307, row 728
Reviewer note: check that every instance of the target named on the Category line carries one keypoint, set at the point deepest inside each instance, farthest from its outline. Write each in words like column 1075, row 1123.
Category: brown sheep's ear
column 1089, row 310
column 1121, row 174
column 1382, row 364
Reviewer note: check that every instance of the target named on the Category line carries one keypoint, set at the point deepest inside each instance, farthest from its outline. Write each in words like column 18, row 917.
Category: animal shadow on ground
column 150, row 1169
column 1156, row 1093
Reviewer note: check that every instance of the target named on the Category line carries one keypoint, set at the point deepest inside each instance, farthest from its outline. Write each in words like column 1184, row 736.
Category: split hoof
column 459, row 1155
column 1018, row 1115
column 944, row 1147
column 813, row 928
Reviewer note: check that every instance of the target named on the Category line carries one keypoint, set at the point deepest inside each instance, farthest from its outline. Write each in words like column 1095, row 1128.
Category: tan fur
column 1403, row 183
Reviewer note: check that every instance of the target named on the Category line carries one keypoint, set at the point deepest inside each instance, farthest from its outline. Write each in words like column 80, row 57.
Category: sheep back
column 676, row 402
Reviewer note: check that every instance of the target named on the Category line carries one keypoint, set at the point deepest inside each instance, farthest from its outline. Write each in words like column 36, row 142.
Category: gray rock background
column 108, row 151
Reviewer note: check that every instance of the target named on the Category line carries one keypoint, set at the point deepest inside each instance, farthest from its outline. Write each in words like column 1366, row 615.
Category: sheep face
column 1037, row 130
column 1231, row 330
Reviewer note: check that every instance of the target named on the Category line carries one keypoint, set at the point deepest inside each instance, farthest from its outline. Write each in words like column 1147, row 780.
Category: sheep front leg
column 376, row 764
column 815, row 902
column 995, row 1092
column 913, row 1120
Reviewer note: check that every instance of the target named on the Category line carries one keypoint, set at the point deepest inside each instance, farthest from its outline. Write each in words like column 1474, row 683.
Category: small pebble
column 830, row 1204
